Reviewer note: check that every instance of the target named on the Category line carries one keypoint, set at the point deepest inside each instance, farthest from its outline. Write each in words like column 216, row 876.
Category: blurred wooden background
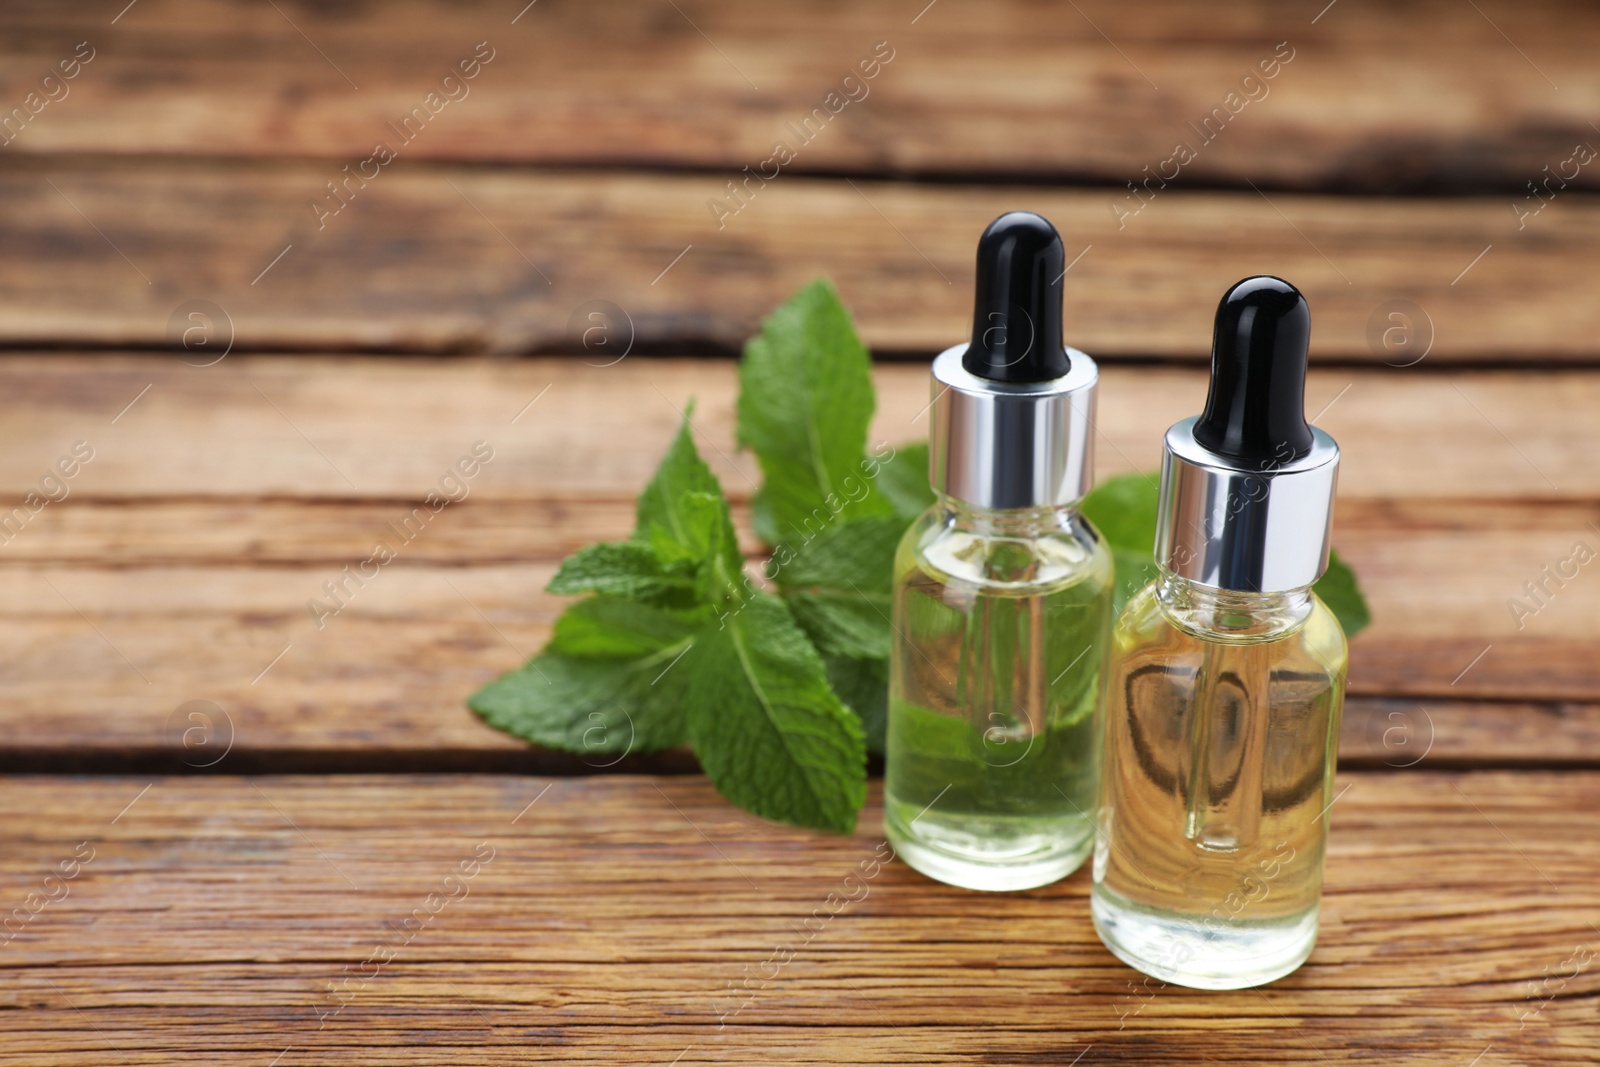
column 269, row 368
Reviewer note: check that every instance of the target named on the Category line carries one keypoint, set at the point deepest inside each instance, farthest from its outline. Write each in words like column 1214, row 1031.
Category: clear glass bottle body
column 1222, row 724
column 1001, row 624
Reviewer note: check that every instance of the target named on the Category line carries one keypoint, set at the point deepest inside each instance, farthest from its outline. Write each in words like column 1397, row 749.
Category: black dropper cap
column 1255, row 412
column 1016, row 312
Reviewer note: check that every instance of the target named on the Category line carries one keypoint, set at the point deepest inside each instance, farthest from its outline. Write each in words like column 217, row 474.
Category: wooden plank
column 367, row 429
column 641, row 919
column 129, row 625
column 180, row 566
column 1401, row 734
column 231, row 531
column 450, row 259
column 1437, row 95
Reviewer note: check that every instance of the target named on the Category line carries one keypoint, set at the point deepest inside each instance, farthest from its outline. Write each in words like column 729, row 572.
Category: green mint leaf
column 761, row 519
column 683, row 544
column 863, row 685
column 612, row 627
column 592, row 707
column 838, row 585
column 625, row 569
column 684, row 547
column 903, row 479
column 1124, row 510
column 1133, row 571
column 611, row 679
column 843, row 623
column 672, row 516
column 765, row 725
column 1339, row 590
column 710, row 541
column 857, row 554
column 805, row 402
column 697, row 531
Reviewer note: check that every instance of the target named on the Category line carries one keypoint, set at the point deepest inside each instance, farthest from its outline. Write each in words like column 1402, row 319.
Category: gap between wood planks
column 715, row 351
column 1380, row 735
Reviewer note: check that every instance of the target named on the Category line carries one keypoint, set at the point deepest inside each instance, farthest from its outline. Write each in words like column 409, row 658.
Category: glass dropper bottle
column 1227, row 678
column 1002, row 595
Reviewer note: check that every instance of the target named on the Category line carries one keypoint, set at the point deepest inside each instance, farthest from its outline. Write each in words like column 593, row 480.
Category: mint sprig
column 782, row 694
column 674, row 644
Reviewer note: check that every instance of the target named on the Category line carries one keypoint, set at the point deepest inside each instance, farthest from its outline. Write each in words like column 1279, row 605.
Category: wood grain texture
column 443, row 258
column 154, row 617
column 286, row 427
column 634, row 918
column 1430, row 95
column 104, row 656
column 180, row 565
column 103, row 661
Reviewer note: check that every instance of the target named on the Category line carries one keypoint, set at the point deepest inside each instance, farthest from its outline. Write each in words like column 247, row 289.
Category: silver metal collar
column 1012, row 445
column 1252, row 531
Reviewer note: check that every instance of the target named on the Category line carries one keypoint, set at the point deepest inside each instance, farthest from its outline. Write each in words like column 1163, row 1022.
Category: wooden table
column 222, row 823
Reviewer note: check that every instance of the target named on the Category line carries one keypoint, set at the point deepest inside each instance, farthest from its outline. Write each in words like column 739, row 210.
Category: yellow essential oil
column 1227, row 678
column 1222, row 723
